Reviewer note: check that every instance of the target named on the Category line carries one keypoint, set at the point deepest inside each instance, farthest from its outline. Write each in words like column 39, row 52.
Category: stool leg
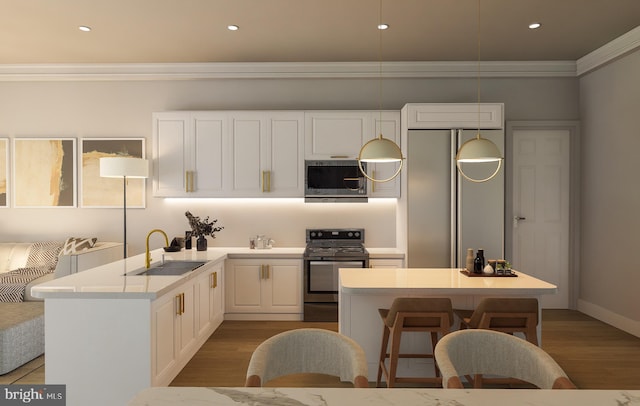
column 394, row 354
column 434, row 341
column 383, row 352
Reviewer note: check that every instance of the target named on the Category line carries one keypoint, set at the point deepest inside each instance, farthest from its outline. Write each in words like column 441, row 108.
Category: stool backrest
column 499, row 313
column 420, row 311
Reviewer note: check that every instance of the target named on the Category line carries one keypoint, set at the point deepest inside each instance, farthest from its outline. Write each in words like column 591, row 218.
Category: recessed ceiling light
column 84, row 28
column 533, row 26
column 233, row 27
column 383, row 26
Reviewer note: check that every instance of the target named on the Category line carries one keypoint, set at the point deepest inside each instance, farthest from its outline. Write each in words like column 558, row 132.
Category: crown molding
column 284, row 70
column 609, row 52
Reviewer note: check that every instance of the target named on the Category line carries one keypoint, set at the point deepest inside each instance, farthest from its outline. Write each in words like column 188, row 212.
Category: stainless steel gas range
column 327, row 251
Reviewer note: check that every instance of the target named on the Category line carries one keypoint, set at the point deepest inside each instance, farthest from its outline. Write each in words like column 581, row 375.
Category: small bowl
column 172, row 249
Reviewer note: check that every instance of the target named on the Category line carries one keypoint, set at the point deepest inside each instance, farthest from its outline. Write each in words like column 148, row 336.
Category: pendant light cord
column 380, row 64
column 478, row 67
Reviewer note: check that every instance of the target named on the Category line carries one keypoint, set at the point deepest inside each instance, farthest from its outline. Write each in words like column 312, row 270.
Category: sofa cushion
column 13, row 256
column 77, row 244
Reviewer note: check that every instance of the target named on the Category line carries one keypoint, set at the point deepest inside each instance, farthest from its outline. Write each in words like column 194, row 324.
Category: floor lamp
column 117, row 167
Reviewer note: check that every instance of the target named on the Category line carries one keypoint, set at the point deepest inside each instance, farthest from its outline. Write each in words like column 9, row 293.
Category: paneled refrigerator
column 446, row 214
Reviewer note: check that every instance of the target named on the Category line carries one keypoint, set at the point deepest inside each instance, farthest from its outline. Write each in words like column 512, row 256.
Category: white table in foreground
column 363, row 291
column 176, row 396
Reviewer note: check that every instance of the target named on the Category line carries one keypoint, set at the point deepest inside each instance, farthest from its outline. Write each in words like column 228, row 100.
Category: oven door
column 321, row 282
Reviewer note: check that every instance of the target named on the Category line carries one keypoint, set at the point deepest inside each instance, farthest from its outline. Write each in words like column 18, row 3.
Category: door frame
column 574, row 194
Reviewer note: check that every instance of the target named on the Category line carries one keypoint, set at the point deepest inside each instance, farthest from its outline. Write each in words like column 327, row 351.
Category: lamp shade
column 118, row 167
column 478, row 150
column 380, row 150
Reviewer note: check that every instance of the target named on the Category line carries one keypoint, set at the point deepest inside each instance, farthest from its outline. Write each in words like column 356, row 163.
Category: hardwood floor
column 593, row 354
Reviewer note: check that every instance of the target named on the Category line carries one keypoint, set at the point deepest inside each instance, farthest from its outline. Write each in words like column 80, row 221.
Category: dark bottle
column 187, row 240
column 478, row 262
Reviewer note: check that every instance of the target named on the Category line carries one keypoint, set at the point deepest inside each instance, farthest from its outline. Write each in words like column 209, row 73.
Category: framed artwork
column 44, row 172
column 108, row 192
column 4, row 171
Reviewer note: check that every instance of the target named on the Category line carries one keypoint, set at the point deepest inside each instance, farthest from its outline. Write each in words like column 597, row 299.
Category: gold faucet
column 147, row 258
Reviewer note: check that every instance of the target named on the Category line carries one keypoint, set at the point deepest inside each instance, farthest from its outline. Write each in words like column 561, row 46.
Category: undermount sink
column 169, row 268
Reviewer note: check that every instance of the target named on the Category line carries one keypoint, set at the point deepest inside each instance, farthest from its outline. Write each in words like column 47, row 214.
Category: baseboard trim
column 609, row 317
column 264, row 316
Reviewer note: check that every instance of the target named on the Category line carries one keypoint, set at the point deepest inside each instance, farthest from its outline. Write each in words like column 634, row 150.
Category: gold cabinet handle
column 188, row 181
column 266, row 181
column 267, row 271
column 214, row 280
column 179, row 304
column 261, row 271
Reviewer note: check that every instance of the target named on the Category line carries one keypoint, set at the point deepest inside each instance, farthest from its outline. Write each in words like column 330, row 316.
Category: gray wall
column 610, row 273
column 123, row 109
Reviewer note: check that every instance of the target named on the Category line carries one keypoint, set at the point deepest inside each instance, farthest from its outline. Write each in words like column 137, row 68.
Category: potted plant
column 202, row 228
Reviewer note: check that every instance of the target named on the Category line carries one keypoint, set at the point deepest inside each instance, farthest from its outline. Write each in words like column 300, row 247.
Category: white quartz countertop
column 436, row 281
column 176, row 396
column 115, row 280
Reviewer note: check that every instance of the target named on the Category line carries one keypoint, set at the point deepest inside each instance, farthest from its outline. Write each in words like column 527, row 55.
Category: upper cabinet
column 189, row 153
column 336, row 134
column 261, row 153
column 228, row 154
column 267, row 154
column 454, row 115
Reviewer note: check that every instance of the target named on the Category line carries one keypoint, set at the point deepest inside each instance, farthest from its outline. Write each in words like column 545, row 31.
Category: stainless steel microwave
column 334, row 181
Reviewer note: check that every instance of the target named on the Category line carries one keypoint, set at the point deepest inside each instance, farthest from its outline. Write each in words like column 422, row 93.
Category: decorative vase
column 201, row 243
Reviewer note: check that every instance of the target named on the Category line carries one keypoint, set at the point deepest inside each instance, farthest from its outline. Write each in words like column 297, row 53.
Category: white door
column 541, row 189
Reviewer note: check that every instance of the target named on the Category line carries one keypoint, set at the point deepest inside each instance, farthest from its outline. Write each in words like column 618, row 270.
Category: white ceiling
column 170, row 31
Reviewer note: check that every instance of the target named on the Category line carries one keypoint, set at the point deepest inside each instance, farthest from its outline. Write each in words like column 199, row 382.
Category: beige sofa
column 14, row 256
column 22, row 323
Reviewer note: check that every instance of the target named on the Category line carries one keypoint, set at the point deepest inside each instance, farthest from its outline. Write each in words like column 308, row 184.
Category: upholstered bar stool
column 433, row 315
column 508, row 315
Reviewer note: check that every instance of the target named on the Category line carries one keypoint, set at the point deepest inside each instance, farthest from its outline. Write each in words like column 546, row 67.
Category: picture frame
column 99, row 192
column 4, row 172
column 44, row 172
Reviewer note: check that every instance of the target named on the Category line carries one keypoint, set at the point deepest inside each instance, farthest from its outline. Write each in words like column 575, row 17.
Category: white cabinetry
column 228, row 154
column 189, row 153
column 209, row 299
column 182, row 320
column 336, row 134
column 267, row 154
column 386, row 263
column 267, row 289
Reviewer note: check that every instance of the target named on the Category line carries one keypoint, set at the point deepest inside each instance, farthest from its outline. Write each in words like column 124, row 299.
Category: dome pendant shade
column 380, row 150
column 478, row 150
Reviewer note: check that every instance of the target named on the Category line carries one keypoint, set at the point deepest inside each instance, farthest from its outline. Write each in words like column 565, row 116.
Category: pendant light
column 380, row 149
column 478, row 149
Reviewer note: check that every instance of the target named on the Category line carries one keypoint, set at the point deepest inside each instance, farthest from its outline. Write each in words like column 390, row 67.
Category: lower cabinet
column 266, row 289
column 182, row 320
column 386, row 263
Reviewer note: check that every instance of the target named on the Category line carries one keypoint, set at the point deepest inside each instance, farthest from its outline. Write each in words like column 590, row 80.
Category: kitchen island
column 110, row 332
column 363, row 291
